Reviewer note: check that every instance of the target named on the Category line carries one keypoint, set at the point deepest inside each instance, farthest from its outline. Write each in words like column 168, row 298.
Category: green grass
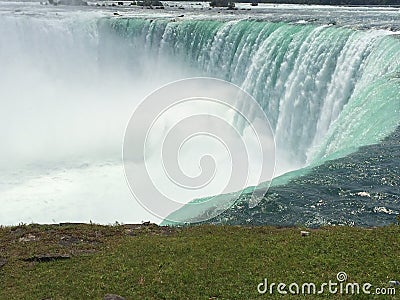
column 199, row 262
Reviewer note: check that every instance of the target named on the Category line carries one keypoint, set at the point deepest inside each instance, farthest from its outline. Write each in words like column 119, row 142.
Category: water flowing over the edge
column 326, row 90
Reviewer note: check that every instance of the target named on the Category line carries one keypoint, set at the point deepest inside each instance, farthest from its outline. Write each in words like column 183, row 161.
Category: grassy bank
column 203, row 262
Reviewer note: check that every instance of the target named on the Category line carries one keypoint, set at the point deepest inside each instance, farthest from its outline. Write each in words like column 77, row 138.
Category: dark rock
column 222, row 3
column 150, row 3
column 69, row 223
column 3, row 261
column 46, row 258
column 113, row 297
column 120, row 3
column 68, row 241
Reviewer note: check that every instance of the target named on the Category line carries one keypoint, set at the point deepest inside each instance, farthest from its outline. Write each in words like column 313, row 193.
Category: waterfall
column 69, row 84
column 326, row 90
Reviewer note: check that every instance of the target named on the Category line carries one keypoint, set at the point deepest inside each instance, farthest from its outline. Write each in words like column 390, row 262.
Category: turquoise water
column 331, row 94
column 327, row 91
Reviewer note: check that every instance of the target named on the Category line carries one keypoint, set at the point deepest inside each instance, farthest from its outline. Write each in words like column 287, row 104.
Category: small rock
column 130, row 232
column 364, row 194
column 305, row 233
column 3, row 261
column 113, row 297
column 68, row 241
column 28, row 238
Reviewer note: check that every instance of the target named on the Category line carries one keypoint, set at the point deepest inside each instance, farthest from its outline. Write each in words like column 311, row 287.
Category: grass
column 198, row 262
